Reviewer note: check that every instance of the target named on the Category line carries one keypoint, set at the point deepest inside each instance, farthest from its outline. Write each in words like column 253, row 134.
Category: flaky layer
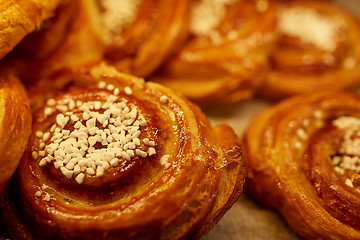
column 85, row 32
column 303, row 161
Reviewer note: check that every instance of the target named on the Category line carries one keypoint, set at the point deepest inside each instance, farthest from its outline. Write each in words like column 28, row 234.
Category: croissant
column 317, row 49
column 15, row 124
column 18, row 18
column 134, row 160
column 225, row 57
column 303, row 160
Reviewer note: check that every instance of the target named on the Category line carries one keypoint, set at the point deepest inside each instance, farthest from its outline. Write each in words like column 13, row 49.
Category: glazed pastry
column 317, row 49
column 225, row 57
column 15, row 125
column 303, row 160
column 135, row 36
column 140, row 34
column 18, row 18
column 121, row 158
column 71, row 38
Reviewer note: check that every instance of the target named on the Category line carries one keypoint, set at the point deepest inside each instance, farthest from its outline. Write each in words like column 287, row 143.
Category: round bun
column 176, row 181
column 18, row 18
column 301, row 162
column 304, row 62
column 221, row 61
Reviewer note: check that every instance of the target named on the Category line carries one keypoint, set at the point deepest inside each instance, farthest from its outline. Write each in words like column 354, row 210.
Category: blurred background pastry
column 134, row 36
column 225, row 57
column 140, row 35
column 317, row 50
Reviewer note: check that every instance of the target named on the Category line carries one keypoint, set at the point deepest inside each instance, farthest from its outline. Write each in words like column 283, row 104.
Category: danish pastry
column 317, row 50
column 18, row 18
column 303, row 160
column 127, row 34
column 15, row 125
column 226, row 55
column 141, row 34
column 121, row 158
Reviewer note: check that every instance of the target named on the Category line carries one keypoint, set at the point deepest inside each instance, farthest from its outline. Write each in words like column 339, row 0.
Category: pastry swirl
column 127, row 34
column 225, row 57
column 303, row 160
column 15, row 124
column 317, row 49
column 141, row 34
column 119, row 158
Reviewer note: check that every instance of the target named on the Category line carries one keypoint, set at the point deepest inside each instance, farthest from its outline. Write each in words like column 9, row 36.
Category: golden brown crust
column 83, row 37
column 293, row 151
column 157, row 31
column 225, row 63
column 182, row 189
column 69, row 39
column 18, row 18
column 304, row 64
column 15, row 125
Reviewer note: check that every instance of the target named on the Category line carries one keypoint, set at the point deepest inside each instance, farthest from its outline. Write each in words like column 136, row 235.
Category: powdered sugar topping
column 91, row 137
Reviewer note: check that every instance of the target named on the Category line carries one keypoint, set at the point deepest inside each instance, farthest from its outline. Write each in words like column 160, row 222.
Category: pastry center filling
column 346, row 162
column 91, row 137
column 311, row 26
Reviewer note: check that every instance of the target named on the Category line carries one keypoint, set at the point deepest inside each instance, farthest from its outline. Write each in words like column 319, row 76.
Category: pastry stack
column 104, row 118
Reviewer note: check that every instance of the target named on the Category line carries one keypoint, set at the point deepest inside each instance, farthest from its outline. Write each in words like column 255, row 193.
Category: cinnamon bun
column 225, row 58
column 303, row 160
column 317, row 50
column 140, row 34
column 135, row 36
column 118, row 158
